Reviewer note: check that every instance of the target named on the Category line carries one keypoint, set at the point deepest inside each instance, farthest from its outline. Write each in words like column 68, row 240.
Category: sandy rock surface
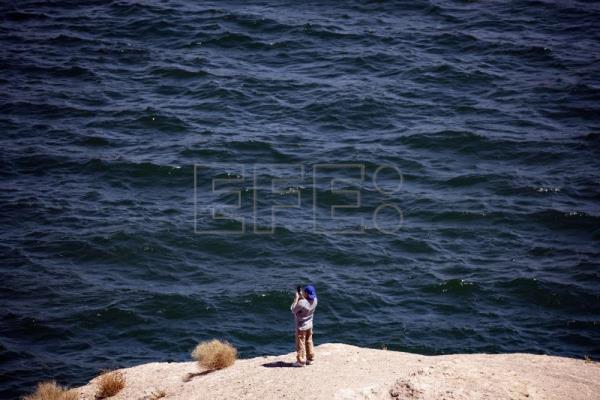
column 343, row 372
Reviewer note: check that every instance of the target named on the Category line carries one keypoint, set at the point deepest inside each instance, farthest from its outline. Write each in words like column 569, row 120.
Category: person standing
column 303, row 308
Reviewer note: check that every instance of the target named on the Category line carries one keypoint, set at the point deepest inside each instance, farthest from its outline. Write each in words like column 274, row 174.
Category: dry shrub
column 405, row 390
column 214, row 354
column 51, row 391
column 158, row 394
column 109, row 384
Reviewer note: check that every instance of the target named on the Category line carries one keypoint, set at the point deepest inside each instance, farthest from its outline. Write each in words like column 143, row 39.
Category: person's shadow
column 279, row 364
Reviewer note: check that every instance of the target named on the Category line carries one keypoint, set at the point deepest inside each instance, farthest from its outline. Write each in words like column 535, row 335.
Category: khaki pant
column 304, row 346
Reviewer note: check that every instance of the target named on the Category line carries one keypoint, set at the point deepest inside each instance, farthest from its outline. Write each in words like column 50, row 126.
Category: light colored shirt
column 303, row 313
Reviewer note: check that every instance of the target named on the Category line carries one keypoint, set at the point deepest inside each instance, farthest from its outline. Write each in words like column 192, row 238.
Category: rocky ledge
column 348, row 372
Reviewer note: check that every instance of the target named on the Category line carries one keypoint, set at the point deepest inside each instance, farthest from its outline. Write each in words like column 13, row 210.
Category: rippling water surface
column 490, row 110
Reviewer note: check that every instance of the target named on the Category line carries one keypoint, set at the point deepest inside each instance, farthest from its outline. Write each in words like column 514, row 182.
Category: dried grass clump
column 109, row 384
column 158, row 394
column 214, row 354
column 51, row 391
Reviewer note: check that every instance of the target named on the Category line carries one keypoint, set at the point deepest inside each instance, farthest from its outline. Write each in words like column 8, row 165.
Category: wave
column 46, row 109
column 453, row 287
column 261, row 148
column 178, row 72
column 23, row 16
column 549, row 294
column 150, row 119
column 448, row 74
column 449, row 139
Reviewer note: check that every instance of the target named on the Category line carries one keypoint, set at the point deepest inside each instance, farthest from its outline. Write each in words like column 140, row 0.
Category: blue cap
column 310, row 292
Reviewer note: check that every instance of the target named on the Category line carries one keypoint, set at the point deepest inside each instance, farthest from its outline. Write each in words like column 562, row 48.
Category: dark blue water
column 490, row 111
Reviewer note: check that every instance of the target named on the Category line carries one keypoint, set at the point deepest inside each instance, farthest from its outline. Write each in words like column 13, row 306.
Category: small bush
column 159, row 394
column 51, row 391
column 109, row 384
column 214, row 354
